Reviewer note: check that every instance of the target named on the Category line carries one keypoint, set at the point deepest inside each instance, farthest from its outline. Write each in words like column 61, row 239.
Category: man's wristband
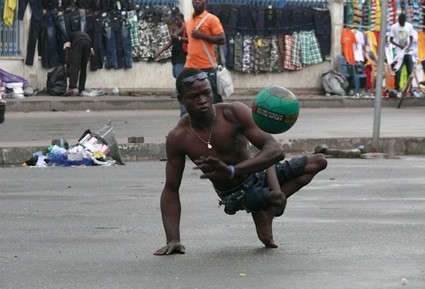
column 232, row 171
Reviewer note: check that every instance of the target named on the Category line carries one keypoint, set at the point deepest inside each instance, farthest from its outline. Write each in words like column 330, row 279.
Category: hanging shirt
column 348, row 39
column 421, row 45
column 359, row 46
column 9, row 12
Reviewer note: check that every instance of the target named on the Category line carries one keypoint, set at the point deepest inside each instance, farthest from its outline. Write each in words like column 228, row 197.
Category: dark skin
column 233, row 129
column 402, row 22
column 199, row 8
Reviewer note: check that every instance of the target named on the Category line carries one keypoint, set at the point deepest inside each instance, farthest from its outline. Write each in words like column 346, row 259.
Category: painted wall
column 158, row 76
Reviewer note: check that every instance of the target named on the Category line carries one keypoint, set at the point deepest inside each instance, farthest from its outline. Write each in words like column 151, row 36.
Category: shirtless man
column 216, row 138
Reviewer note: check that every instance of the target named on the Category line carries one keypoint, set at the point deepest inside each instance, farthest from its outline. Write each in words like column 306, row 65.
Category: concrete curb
column 41, row 103
column 151, row 151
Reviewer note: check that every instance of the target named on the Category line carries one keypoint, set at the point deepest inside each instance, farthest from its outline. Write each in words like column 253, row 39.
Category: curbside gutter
column 133, row 152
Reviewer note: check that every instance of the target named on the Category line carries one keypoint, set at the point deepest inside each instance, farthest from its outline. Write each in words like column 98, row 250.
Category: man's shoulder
column 212, row 17
column 179, row 131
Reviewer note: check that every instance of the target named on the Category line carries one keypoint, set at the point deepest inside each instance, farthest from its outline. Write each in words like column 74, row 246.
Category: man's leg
column 264, row 219
column 75, row 65
column 315, row 164
column 397, row 79
column 85, row 56
column 263, row 224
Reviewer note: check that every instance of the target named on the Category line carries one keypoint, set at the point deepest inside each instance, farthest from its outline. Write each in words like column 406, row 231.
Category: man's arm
column 170, row 200
column 269, row 152
column 215, row 32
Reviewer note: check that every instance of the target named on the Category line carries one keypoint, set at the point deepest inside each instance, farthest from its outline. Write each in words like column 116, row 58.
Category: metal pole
column 379, row 77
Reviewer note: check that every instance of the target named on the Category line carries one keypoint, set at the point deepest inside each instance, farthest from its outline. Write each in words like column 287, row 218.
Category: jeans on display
column 74, row 21
column 95, row 31
column 83, row 21
column 126, row 42
column 303, row 19
column 56, row 34
column 116, row 30
column 230, row 55
column 246, row 20
column 111, row 53
column 408, row 61
column 36, row 34
column 323, row 26
column 233, row 19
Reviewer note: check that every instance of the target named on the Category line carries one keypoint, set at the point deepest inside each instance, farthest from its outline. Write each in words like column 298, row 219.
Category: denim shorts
column 253, row 193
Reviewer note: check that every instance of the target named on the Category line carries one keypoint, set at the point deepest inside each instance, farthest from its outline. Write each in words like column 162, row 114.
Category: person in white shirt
column 401, row 36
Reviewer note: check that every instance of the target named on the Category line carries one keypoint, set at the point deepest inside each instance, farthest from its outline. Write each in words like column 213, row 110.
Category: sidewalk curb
column 41, row 103
column 152, row 151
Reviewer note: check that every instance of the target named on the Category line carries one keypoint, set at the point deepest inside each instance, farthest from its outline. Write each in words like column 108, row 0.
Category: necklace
column 208, row 143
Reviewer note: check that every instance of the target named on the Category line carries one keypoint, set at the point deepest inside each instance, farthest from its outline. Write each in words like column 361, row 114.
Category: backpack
column 334, row 83
column 57, row 81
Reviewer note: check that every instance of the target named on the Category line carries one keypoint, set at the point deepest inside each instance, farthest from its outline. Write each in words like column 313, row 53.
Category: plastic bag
column 224, row 82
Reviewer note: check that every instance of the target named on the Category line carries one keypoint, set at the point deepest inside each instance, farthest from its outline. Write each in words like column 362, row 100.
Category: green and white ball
column 275, row 109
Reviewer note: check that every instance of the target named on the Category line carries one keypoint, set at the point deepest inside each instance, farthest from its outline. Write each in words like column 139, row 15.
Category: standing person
column 78, row 50
column 216, row 137
column 209, row 34
column 178, row 44
column 401, row 36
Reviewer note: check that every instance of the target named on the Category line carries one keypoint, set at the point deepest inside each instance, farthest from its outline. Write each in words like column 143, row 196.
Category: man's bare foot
column 263, row 224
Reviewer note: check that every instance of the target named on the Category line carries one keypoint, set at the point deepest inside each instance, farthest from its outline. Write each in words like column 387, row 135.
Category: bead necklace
column 208, row 143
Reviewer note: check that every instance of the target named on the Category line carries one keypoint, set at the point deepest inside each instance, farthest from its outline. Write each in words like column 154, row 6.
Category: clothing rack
column 276, row 3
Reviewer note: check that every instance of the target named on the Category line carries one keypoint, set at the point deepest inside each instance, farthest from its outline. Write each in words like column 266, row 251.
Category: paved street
column 359, row 224
column 39, row 128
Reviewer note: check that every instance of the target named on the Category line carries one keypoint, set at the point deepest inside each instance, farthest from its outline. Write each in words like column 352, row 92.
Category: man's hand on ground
column 173, row 247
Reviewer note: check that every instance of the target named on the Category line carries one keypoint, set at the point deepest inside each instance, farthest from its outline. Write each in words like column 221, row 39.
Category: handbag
column 224, row 78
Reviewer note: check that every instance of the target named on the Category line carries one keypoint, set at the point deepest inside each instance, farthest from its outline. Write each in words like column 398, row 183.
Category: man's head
column 402, row 19
column 179, row 19
column 187, row 78
column 199, row 6
column 193, row 84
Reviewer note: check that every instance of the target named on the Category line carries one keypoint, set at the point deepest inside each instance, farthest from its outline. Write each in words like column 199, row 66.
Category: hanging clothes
column 359, row 46
column 348, row 39
column 9, row 12
column 287, row 64
column 310, row 51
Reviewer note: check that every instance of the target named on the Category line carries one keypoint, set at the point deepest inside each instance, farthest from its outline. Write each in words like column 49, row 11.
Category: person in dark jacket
column 78, row 50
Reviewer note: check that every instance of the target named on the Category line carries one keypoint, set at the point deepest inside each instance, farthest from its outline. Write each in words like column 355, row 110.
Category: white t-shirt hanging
column 358, row 46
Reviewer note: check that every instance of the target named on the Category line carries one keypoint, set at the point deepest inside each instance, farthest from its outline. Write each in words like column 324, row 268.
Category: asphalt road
column 359, row 224
column 39, row 128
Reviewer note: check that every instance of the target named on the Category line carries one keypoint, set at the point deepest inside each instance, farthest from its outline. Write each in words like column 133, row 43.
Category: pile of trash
column 92, row 149
column 13, row 85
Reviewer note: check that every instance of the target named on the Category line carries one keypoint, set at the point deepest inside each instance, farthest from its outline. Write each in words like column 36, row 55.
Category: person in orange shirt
column 209, row 33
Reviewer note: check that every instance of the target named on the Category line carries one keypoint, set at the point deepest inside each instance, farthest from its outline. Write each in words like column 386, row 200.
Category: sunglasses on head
column 188, row 81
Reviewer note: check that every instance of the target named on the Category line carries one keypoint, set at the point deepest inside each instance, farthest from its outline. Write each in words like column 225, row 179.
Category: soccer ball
column 275, row 109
